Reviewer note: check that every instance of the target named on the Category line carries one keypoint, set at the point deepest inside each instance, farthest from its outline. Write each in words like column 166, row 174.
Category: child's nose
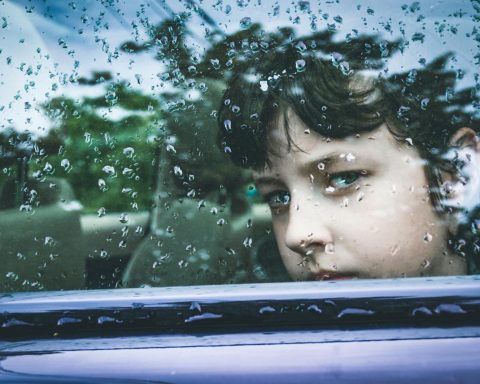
column 307, row 230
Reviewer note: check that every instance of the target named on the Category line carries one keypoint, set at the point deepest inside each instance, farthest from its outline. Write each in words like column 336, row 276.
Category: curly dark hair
column 336, row 97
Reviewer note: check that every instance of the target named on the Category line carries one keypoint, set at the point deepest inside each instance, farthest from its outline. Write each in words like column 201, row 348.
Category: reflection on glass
column 353, row 135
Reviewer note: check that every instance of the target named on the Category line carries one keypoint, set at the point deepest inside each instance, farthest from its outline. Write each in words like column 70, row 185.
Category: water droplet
column 301, row 47
column 68, row 320
column 50, row 241
column 314, row 308
column 48, row 168
column 411, row 77
column 177, row 171
column 230, row 251
column 228, row 125
column 128, row 151
column 424, row 103
column 427, row 237
column 127, row 172
column 300, row 65
column 304, row 5
column 245, row 22
column 394, row 249
column 25, row 208
column 350, row 157
column 338, row 19
column 171, row 148
column 330, row 248
column 105, row 320
column 215, row 63
column 111, row 98
column 247, row 242
column 12, row 276
column 418, row 36
column 425, row 263
column 422, row 311
column 14, row 323
column 204, row 316
column 202, row 87
column 123, row 218
column 450, row 308
column 355, row 312
column 195, row 306
column 65, row 163
column 266, row 309
column 102, row 185
column 109, row 170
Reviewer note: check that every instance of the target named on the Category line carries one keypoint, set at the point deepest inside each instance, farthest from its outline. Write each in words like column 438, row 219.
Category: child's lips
column 325, row 276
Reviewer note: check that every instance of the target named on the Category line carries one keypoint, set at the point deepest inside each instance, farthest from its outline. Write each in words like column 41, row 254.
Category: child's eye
column 278, row 199
column 343, row 180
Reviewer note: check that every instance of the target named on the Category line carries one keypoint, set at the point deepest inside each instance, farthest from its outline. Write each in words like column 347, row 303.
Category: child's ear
column 465, row 137
column 461, row 183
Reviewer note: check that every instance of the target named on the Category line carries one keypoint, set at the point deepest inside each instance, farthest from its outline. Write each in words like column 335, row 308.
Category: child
column 365, row 177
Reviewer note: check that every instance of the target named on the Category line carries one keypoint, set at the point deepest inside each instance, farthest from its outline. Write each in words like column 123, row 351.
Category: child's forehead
column 289, row 135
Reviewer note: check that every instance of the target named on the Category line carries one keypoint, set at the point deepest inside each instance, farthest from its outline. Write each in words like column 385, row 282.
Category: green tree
column 109, row 162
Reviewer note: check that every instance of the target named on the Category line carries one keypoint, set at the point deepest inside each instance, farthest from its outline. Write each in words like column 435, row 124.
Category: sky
column 46, row 44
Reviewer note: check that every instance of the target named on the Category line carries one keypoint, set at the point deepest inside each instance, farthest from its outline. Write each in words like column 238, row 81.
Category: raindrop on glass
column 246, row 22
column 177, row 171
column 427, row 237
column 101, row 212
column 123, row 218
column 300, row 65
column 128, row 151
column 228, row 125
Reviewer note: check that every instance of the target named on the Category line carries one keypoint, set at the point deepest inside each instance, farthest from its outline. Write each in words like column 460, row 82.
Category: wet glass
column 164, row 143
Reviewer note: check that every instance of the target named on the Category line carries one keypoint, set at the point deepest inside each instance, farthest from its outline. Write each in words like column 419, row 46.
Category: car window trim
column 343, row 305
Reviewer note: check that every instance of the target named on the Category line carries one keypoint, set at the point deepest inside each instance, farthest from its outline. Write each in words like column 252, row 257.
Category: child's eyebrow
column 327, row 160
column 267, row 180
column 272, row 180
column 322, row 162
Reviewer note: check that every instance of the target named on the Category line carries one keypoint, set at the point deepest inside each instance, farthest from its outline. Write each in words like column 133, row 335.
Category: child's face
column 352, row 208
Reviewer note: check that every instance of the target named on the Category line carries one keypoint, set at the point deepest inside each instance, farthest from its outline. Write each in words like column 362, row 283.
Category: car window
column 165, row 143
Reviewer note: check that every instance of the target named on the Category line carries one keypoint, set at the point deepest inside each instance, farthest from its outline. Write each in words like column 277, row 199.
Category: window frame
column 343, row 305
column 280, row 324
